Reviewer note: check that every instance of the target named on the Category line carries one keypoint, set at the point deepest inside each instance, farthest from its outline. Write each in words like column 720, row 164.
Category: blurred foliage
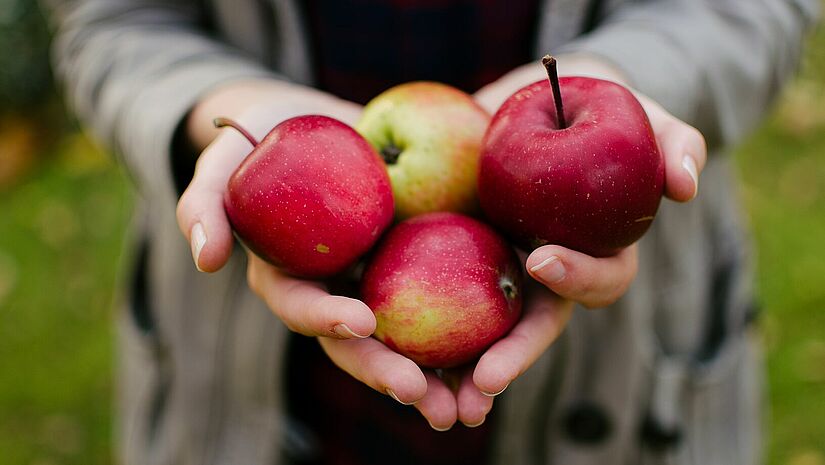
column 63, row 222
column 61, row 233
column 32, row 118
column 782, row 169
column 25, row 76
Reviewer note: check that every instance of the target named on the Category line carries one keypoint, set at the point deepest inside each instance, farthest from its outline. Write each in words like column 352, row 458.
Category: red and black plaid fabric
column 348, row 423
column 363, row 47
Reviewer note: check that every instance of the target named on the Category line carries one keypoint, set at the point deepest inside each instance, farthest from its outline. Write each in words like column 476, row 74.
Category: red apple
column 587, row 176
column 311, row 198
column 443, row 287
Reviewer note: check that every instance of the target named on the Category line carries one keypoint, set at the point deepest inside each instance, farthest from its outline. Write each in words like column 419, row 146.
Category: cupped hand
column 304, row 306
column 464, row 394
column 598, row 282
column 567, row 276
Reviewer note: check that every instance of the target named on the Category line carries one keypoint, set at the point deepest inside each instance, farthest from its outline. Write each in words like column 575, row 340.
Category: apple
column 311, row 198
column 429, row 135
column 444, row 287
column 584, row 173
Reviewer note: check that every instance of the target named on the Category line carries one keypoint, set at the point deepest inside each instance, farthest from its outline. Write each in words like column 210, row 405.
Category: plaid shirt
column 345, row 422
column 363, row 47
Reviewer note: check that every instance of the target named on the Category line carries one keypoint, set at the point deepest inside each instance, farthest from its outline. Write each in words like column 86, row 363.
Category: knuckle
column 322, row 304
column 366, row 369
column 584, row 288
column 697, row 137
column 609, row 294
column 182, row 208
column 291, row 326
column 670, row 123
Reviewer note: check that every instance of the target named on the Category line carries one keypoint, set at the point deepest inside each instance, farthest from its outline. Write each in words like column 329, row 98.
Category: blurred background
column 65, row 206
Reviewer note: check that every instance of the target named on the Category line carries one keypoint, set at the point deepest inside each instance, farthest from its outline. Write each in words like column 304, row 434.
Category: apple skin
column 444, row 287
column 593, row 187
column 438, row 131
column 311, row 198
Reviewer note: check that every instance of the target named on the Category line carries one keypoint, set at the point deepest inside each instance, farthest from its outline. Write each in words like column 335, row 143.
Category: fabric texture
column 362, row 48
column 668, row 375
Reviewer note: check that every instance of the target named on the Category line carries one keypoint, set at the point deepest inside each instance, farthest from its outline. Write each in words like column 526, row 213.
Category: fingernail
column 392, row 394
column 197, row 236
column 689, row 164
column 440, row 430
column 497, row 393
column 550, row 270
column 475, row 425
column 343, row 330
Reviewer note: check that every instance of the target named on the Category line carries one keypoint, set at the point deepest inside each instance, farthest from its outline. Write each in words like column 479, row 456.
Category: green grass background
column 62, row 229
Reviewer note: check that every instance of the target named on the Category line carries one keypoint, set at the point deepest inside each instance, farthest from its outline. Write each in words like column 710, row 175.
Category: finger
column 593, row 282
column 438, row 406
column 545, row 317
column 306, row 307
column 473, row 406
column 685, row 154
column 683, row 149
column 200, row 211
column 372, row 363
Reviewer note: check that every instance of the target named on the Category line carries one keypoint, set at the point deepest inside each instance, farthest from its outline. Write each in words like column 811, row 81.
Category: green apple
column 429, row 135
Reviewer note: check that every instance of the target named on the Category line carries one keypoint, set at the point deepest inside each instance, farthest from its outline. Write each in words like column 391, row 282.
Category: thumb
column 683, row 148
column 200, row 212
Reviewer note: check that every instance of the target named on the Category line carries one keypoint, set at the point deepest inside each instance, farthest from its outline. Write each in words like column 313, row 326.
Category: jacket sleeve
column 132, row 69
column 716, row 64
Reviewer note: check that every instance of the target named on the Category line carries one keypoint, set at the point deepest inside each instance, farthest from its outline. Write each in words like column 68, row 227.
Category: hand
column 682, row 145
column 258, row 106
column 304, row 306
column 566, row 275
column 464, row 394
column 600, row 282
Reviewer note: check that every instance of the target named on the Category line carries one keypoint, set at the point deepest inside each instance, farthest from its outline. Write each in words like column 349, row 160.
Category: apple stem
column 221, row 122
column 550, row 66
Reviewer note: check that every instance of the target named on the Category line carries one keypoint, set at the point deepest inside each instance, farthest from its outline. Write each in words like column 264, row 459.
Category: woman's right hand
column 258, row 106
column 303, row 306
